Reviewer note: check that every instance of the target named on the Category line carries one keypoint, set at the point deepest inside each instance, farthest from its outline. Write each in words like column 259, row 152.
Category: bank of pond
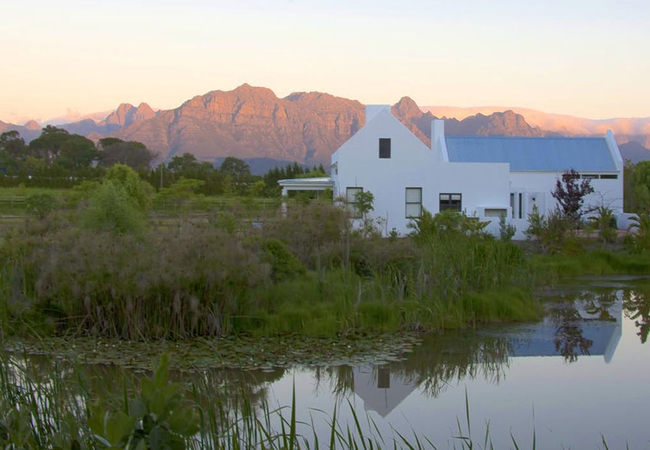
column 305, row 272
column 575, row 378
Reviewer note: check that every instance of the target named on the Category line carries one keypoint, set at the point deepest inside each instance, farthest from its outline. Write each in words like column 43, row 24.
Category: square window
column 451, row 201
column 384, row 148
column 413, row 202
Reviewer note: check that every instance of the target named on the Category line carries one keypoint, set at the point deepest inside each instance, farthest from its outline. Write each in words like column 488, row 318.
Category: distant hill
column 625, row 129
column 634, row 151
column 125, row 115
column 30, row 131
column 253, row 124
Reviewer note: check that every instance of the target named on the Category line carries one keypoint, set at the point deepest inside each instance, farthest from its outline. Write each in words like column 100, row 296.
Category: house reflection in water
column 583, row 327
column 586, row 327
column 381, row 390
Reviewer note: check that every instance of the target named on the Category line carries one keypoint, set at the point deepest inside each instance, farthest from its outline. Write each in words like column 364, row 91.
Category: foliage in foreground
column 307, row 273
column 67, row 411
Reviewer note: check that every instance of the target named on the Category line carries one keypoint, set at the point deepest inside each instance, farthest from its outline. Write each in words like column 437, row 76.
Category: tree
column 131, row 153
column 570, row 194
column 77, row 152
column 238, row 169
column 48, row 144
column 637, row 187
column 182, row 164
column 13, row 144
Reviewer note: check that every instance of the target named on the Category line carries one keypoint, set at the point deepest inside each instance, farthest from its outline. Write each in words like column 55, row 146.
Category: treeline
column 58, row 159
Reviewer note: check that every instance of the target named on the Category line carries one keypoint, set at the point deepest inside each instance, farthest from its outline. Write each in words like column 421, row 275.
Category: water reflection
column 636, row 304
column 585, row 322
column 580, row 322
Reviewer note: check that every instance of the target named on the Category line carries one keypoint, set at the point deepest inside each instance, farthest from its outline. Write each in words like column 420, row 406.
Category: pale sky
column 588, row 58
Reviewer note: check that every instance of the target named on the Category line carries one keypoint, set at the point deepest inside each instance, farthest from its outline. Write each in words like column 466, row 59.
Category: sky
column 587, row 58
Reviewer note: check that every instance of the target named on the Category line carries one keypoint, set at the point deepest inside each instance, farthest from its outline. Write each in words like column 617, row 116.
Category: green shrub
column 112, row 209
column 41, row 205
column 284, row 265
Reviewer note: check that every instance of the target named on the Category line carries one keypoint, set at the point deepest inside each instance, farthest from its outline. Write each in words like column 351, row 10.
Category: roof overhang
column 307, row 184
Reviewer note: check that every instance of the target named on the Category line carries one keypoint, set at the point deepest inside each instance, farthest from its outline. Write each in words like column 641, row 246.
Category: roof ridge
column 473, row 136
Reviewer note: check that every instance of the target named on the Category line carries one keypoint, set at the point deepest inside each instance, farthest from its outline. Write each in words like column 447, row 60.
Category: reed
column 67, row 410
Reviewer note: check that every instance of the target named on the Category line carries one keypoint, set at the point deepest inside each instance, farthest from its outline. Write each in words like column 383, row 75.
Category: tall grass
column 306, row 273
column 66, row 409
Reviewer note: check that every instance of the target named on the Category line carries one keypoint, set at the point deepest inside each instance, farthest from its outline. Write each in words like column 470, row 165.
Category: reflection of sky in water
column 573, row 400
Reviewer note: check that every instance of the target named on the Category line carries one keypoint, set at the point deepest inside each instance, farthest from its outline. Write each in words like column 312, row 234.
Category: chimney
column 373, row 110
column 438, row 143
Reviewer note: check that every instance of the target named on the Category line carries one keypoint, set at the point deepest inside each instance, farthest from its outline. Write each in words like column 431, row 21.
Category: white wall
column 482, row 185
column 413, row 164
column 536, row 188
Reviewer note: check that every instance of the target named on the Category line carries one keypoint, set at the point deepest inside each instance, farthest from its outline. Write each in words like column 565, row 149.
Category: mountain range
column 254, row 124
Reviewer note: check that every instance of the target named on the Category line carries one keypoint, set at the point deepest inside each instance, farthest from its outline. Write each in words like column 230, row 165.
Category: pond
column 580, row 375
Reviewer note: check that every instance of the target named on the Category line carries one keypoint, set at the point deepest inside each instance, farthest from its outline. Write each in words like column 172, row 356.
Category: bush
column 605, row 223
column 446, row 224
column 284, row 265
column 549, row 231
column 138, row 190
column 113, row 209
column 506, row 230
column 41, row 204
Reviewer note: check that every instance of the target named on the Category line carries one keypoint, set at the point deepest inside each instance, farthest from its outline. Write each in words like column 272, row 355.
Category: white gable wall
column 413, row 164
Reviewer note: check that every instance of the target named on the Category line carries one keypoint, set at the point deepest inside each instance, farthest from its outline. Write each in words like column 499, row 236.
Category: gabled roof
column 548, row 154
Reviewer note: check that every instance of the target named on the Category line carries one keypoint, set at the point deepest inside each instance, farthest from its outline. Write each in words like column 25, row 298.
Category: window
column 383, row 377
column 384, row 148
column 589, row 176
column 494, row 212
column 610, row 176
column 521, row 205
column 512, row 204
column 451, row 201
column 351, row 200
column 413, row 202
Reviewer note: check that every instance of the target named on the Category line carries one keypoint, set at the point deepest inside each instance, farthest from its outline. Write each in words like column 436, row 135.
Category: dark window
column 589, row 176
column 521, row 205
column 609, row 176
column 384, row 147
column 512, row 204
column 383, row 378
column 413, row 202
column 451, row 201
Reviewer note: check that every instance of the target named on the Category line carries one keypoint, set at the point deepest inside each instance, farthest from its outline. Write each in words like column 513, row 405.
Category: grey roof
column 550, row 154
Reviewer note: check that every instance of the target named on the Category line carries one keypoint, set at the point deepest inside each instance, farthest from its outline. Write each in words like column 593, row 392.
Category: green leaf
column 138, row 408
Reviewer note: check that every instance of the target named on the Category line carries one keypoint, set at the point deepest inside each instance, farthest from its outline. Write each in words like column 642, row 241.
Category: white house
column 485, row 177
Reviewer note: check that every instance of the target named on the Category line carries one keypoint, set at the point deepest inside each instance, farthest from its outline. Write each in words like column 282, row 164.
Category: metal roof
column 550, row 154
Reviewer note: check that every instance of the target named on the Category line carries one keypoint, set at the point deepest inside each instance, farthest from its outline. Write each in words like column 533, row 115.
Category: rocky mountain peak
column 406, row 107
column 32, row 125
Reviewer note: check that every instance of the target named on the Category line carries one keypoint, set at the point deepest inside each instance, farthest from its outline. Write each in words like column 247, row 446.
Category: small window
column 512, row 204
column 451, row 201
column 589, row 176
column 384, row 148
column 351, row 200
column 609, row 176
column 494, row 212
column 413, row 202
column 521, row 205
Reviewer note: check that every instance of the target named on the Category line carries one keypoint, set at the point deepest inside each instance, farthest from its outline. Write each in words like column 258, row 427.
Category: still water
column 581, row 374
